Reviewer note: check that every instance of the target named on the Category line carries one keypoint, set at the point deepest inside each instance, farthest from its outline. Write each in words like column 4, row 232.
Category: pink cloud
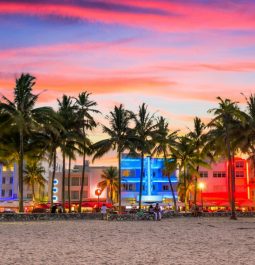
column 188, row 17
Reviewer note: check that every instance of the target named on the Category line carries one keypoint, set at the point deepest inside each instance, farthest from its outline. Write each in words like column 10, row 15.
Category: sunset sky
column 176, row 56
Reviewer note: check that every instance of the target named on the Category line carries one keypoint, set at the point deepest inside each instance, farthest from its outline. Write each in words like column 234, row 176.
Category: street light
column 201, row 186
column 98, row 193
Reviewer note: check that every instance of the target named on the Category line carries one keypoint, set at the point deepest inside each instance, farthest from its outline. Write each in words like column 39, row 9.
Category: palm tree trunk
column 141, row 181
column 111, row 189
column 53, row 176
column 233, row 184
column 83, row 170
column 21, row 159
column 172, row 191
column 33, row 191
column 82, row 181
column 69, row 184
column 119, row 160
column 195, row 191
column 185, row 187
column 232, row 179
column 171, row 186
column 63, row 181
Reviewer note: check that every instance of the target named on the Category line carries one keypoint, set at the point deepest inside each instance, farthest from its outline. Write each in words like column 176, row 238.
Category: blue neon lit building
column 156, row 186
column 8, row 183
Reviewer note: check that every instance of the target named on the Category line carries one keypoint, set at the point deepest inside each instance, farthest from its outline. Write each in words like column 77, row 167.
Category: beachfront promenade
column 176, row 241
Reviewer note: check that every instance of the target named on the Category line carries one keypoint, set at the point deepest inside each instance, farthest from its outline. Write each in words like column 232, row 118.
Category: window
column 85, row 194
column 75, row 181
column 10, row 193
column 129, row 187
column 3, row 180
column 153, row 187
column 11, row 180
column 165, row 187
column 203, row 174
column 239, row 164
column 239, row 174
column 219, row 174
column 3, row 193
column 29, row 196
column 75, row 195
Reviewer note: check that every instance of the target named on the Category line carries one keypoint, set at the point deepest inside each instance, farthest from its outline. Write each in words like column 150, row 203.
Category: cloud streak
column 155, row 15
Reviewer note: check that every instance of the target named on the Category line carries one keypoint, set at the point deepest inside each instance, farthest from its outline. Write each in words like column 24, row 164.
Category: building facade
column 9, row 185
column 92, row 178
column 213, row 184
column 156, row 187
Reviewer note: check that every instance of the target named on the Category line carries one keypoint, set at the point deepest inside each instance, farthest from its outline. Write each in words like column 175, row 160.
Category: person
column 54, row 209
column 157, row 212
column 60, row 209
column 103, row 211
column 151, row 210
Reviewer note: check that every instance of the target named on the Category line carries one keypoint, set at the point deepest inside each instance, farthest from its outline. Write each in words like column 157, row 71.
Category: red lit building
column 213, row 184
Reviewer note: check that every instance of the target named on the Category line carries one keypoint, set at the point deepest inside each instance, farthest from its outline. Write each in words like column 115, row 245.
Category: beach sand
column 171, row 241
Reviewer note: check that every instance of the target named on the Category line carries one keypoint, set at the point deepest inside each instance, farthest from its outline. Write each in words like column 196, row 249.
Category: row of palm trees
column 29, row 133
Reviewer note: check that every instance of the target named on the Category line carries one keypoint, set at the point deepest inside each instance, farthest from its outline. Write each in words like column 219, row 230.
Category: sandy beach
column 172, row 241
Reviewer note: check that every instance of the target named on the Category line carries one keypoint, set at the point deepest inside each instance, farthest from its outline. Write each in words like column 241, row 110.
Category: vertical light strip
column 248, row 180
column 149, row 174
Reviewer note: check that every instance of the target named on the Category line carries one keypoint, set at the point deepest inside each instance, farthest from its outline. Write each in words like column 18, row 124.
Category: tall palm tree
column 69, row 122
column 227, row 117
column 145, row 132
column 110, row 182
column 198, row 138
column 170, row 166
column 85, row 108
column 164, row 142
column 183, row 152
column 119, row 139
column 24, row 117
column 34, row 176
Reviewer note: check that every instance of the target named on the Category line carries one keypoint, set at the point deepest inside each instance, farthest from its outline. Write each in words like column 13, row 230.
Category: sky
column 176, row 56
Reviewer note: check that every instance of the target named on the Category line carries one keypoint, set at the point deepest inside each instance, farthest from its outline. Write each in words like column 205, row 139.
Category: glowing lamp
column 201, row 185
column 98, row 192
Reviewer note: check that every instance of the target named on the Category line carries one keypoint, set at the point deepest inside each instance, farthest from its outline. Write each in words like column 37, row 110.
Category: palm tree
column 69, row 122
column 22, row 115
column 170, row 167
column 145, row 133
column 164, row 142
column 34, row 176
column 183, row 152
column 85, row 107
column 247, row 136
column 110, row 181
column 119, row 138
column 198, row 138
column 225, row 123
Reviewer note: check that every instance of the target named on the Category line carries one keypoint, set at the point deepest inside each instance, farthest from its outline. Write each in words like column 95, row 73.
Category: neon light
column 248, row 181
column 55, row 182
column 149, row 175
